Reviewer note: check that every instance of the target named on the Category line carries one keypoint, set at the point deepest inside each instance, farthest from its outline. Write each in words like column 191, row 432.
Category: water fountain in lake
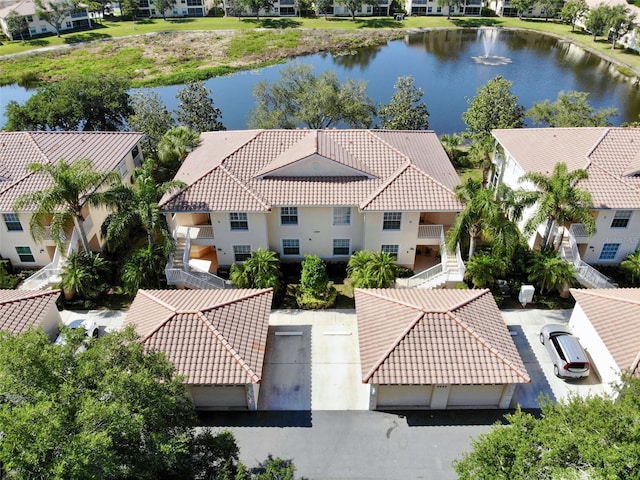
column 489, row 36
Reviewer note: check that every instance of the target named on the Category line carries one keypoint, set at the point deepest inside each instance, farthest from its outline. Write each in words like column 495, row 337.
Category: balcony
column 196, row 233
column 579, row 233
column 430, row 232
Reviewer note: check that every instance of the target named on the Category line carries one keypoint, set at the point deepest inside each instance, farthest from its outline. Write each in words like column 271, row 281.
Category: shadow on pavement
column 255, row 419
column 430, row 418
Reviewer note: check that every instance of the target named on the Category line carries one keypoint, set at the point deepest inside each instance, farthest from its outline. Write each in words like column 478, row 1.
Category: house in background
column 21, row 310
column 118, row 151
column 433, row 7
column 34, row 25
column 607, row 322
column 181, row 8
column 215, row 338
column 437, row 349
column 611, row 157
column 321, row 192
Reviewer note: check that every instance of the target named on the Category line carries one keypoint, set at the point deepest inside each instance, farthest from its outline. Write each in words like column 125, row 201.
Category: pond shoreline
column 155, row 66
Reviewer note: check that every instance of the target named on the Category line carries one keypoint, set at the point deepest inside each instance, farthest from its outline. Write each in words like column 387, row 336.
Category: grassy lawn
column 216, row 46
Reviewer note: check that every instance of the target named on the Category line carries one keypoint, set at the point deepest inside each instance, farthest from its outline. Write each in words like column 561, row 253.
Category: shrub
column 315, row 290
column 7, row 280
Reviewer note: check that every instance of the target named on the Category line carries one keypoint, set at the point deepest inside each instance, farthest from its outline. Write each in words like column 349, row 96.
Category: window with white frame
column 12, row 222
column 609, row 251
column 391, row 220
column 122, row 168
column 288, row 215
column 238, row 221
column 25, row 255
column 391, row 249
column 342, row 215
column 290, row 246
column 621, row 218
column 241, row 252
column 341, row 246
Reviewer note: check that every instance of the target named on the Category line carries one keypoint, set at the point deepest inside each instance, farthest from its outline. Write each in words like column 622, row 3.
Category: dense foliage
column 367, row 269
column 593, row 437
column 315, row 290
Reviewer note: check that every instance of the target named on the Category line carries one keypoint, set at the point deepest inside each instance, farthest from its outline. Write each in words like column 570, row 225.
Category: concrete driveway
column 525, row 326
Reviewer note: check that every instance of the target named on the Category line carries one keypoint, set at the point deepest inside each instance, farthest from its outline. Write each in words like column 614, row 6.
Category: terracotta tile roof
column 257, row 170
column 19, row 149
column 420, row 337
column 214, row 337
column 24, row 7
column 21, row 310
column 615, row 315
column 610, row 155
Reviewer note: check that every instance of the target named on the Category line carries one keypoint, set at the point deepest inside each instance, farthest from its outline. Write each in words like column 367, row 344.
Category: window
column 238, row 221
column 341, row 246
column 289, row 215
column 69, row 25
column 43, row 29
column 122, row 168
column 621, row 219
column 290, row 247
column 12, row 222
column 241, row 252
column 609, row 251
column 390, row 249
column 342, row 215
column 391, row 220
column 29, row 18
column 25, row 254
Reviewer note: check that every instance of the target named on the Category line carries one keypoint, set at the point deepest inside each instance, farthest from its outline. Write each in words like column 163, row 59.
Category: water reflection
column 441, row 61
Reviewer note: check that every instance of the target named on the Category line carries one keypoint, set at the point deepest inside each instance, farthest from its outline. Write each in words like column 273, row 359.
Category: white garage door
column 219, row 397
column 474, row 395
column 404, row 396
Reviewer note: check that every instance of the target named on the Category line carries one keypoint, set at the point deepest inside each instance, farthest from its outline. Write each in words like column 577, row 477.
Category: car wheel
column 541, row 338
column 556, row 372
column 95, row 333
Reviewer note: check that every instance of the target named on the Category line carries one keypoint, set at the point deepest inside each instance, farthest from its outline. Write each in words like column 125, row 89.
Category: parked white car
column 569, row 358
column 90, row 327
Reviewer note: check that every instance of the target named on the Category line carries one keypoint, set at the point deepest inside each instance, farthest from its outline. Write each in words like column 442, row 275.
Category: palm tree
column 483, row 269
column 174, row 147
column 136, row 206
column 558, row 200
column 73, row 185
column 631, row 264
column 144, row 268
column 480, row 213
column 480, row 154
column 368, row 269
column 83, row 273
column 451, row 144
column 550, row 271
column 260, row 270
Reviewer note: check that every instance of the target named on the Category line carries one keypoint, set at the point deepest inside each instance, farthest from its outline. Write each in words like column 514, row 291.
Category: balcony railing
column 196, row 232
column 195, row 279
column 578, row 232
column 586, row 274
column 430, row 231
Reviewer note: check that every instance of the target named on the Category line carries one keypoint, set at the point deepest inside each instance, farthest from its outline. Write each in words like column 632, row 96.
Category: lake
column 448, row 65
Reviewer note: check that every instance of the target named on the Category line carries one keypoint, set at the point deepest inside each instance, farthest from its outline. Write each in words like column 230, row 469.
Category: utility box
column 526, row 294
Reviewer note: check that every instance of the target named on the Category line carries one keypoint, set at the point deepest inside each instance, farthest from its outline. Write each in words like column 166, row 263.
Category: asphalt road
column 357, row 444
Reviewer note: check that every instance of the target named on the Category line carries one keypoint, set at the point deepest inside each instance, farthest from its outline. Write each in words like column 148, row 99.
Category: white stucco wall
column 316, row 232
column 629, row 237
column 406, row 238
column 604, row 364
column 225, row 238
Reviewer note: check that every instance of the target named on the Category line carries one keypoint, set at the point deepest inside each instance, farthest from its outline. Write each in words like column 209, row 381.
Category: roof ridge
column 434, row 180
column 245, row 187
column 622, row 178
column 153, row 298
column 256, row 293
column 225, row 343
column 481, row 292
column 488, row 346
column 374, row 293
column 596, row 145
column 601, row 294
column 30, row 294
column 393, row 346
column 383, row 186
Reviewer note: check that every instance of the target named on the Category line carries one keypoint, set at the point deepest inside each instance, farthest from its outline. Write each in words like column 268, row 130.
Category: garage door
column 390, row 396
column 219, row 397
column 474, row 395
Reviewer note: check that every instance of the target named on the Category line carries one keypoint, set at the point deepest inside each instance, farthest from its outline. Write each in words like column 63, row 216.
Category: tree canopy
column 572, row 11
column 592, row 437
column 196, row 109
column 406, row 110
column 83, row 102
column 302, row 99
column 571, row 109
column 150, row 116
column 109, row 410
column 494, row 106
column 55, row 11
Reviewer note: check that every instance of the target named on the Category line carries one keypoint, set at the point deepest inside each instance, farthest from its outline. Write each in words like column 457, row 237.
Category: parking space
column 107, row 320
column 525, row 326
